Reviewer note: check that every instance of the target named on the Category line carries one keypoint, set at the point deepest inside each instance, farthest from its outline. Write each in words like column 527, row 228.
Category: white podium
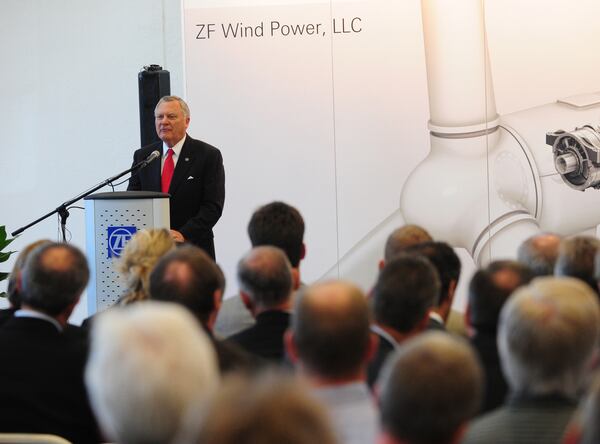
column 111, row 219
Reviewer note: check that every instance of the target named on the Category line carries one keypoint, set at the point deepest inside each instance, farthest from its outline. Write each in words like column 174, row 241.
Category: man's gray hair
column 547, row 336
column 429, row 388
column 184, row 106
column 576, row 259
column 265, row 275
column 150, row 364
column 539, row 253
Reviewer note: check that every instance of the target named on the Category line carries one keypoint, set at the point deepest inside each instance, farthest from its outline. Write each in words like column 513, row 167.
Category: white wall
column 70, row 101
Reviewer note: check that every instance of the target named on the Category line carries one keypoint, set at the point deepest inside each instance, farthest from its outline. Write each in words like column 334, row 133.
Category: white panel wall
column 70, row 104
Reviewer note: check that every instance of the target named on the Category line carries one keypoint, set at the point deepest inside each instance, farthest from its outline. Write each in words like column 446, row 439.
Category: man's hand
column 177, row 236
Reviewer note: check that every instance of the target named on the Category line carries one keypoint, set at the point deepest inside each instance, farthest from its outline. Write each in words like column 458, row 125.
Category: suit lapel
column 185, row 161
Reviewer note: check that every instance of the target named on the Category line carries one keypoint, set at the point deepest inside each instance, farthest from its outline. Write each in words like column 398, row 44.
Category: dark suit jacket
column 384, row 349
column 496, row 388
column 42, row 389
column 197, row 189
column 265, row 338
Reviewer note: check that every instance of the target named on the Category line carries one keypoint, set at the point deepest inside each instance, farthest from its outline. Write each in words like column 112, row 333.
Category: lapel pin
column 187, row 158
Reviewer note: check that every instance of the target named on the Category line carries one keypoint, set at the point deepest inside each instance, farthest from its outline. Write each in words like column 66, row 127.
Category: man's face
column 170, row 122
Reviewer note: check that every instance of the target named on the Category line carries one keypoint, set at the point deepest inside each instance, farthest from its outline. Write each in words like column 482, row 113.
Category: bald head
column 330, row 327
column 539, row 253
column 404, row 237
column 265, row 276
column 188, row 276
column 54, row 276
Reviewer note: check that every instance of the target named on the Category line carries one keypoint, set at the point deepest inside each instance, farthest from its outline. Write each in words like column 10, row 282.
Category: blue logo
column 117, row 238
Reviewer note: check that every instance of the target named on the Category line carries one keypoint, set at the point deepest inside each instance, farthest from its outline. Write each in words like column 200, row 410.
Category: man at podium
column 190, row 170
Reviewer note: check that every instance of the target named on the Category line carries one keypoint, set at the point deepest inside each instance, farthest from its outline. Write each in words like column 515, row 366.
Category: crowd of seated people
column 282, row 361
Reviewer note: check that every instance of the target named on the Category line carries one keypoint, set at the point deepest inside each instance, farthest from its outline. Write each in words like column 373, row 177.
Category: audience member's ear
column 381, row 264
column 247, row 301
column 290, row 346
column 423, row 323
column 295, row 279
column 371, row 347
column 217, row 302
column 303, row 251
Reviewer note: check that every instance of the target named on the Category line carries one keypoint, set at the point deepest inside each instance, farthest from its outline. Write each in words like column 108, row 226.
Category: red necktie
column 167, row 173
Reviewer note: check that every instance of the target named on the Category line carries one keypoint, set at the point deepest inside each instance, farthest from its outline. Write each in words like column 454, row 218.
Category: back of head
column 539, row 253
column 404, row 237
column 429, row 388
column 149, row 364
column 331, row 331
column 12, row 289
column 265, row 275
column 547, row 334
column 576, row 259
column 489, row 289
column 139, row 257
column 188, row 276
column 445, row 261
column 54, row 276
column 280, row 225
column 406, row 289
column 269, row 409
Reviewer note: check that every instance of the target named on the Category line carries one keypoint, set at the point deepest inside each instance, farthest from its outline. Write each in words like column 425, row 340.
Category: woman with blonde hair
column 138, row 259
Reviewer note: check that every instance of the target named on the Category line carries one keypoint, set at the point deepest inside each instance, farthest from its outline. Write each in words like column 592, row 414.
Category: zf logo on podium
column 117, row 238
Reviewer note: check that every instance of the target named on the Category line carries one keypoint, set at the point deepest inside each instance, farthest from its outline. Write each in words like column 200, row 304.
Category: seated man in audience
column 331, row 344
column 447, row 264
column 265, row 279
column 269, row 409
column 539, row 253
column 277, row 224
column 42, row 388
column 150, row 366
column 406, row 290
column 402, row 238
column 489, row 289
column 547, row 338
column 188, row 276
column 428, row 391
column 576, row 259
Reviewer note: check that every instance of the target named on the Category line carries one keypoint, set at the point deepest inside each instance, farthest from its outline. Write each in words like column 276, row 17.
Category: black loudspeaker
column 154, row 83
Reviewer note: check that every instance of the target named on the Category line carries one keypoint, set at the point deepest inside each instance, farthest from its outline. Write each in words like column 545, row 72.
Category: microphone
column 153, row 155
column 142, row 164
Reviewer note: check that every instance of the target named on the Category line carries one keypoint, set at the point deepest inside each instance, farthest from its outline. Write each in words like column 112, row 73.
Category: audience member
column 428, row 391
column 150, row 365
column 277, row 224
column 265, row 279
column 188, row 276
column 406, row 290
column 547, row 336
column 269, row 409
column 539, row 253
column 42, row 362
column 13, row 288
column 489, row 289
column 586, row 428
column 576, row 259
column 331, row 344
column 139, row 257
column 402, row 238
column 447, row 264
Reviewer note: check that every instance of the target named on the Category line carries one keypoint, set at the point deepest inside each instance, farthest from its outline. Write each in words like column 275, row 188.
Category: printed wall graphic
column 366, row 115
